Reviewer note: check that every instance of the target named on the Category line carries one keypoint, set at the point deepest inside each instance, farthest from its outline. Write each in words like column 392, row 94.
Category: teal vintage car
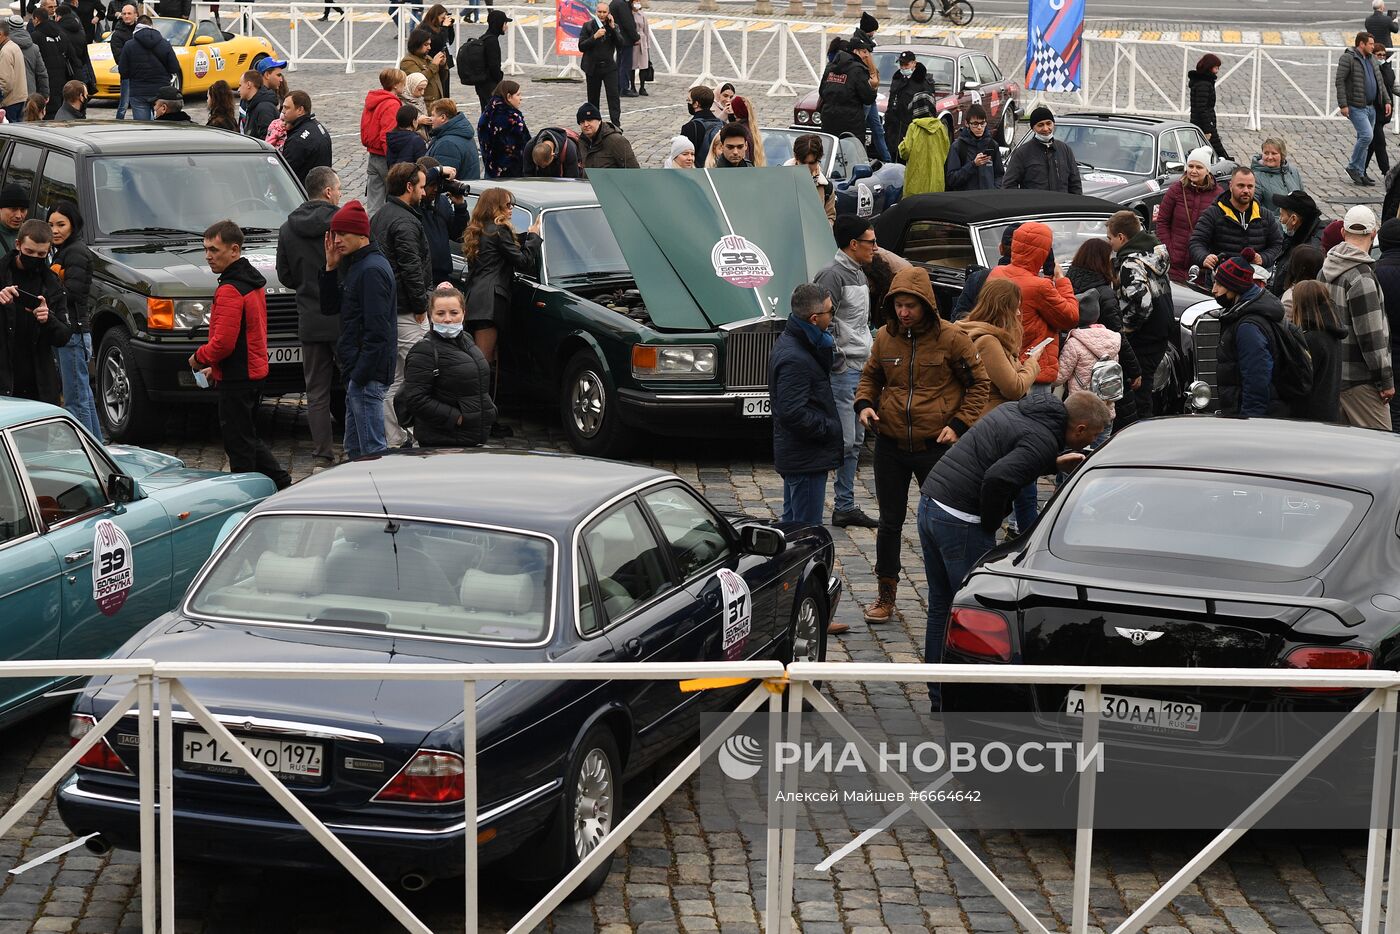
column 95, row 541
column 659, row 295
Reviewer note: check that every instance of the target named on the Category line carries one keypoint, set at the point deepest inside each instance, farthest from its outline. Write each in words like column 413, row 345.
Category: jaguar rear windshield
column 391, row 575
column 1201, row 520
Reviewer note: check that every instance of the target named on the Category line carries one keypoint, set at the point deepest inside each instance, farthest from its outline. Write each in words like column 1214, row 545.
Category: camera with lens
column 450, row 186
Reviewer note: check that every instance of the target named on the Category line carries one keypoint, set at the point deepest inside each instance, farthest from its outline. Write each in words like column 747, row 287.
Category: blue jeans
column 364, row 419
column 950, row 546
column 803, row 497
column 843, row 387
column 877, row 133
column 77, row 389
column 624, row 69
column 142, row 108
column 1026, row 506
column 124, row 101
column 1364, row 119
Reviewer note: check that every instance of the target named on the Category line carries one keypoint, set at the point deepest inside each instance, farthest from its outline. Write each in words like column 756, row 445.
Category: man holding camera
column 31, row 318
column 443, row 210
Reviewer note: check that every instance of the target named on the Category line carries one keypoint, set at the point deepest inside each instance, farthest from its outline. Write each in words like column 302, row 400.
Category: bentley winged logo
column 1138, row 636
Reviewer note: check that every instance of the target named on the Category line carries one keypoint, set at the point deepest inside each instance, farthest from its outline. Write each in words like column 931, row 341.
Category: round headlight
column 816, row 118
column 803, row 117
column 1198, row 395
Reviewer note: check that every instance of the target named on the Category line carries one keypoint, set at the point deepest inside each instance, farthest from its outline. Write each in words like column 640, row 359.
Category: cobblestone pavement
column 692, row 867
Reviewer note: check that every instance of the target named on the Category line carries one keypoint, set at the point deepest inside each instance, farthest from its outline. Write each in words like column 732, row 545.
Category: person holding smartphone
column 32, row 322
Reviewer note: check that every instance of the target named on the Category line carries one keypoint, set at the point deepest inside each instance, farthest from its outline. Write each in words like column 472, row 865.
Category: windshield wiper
column 594, row 276
column 258, row 230
column 1083, row 165
column 165, row 231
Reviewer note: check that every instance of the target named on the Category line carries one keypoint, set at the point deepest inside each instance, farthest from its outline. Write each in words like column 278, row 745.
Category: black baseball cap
column 907, row 56
column 1300, row 202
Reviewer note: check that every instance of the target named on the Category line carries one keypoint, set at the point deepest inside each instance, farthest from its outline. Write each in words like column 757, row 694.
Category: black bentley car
column 1194, row 542
column 384, row 561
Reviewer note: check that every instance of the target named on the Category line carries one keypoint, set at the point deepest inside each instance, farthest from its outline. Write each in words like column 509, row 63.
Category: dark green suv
column 147, row 191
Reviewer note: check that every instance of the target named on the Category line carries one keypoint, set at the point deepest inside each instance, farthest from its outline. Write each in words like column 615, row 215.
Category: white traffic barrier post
column 165, row 764
column 1084, row 824
column 773, row 871
column 1378, row 832
column 470, row 869
column 145, row 766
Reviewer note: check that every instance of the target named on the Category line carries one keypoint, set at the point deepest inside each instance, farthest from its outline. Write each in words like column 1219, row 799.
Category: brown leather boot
column 883, row 610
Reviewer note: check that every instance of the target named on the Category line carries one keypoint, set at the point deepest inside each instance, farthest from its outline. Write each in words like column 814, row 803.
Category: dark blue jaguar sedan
column 454, row 557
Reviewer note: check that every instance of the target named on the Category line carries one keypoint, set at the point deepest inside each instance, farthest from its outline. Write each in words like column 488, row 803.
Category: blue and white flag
column 1054, row 45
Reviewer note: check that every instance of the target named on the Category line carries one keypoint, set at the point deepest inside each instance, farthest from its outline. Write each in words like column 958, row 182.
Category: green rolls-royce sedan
column 95, row 541
column 659, row 294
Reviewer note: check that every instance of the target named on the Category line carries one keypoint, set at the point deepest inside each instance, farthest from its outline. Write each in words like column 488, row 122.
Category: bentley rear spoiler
column 1347, row 614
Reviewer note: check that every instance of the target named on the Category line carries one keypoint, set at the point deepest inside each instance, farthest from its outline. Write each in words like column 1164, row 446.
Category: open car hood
column 709, row 247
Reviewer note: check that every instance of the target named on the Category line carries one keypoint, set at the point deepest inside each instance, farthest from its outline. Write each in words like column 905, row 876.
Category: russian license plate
column 288, row 758
column 1140, row 711
column 284, row 354
column 755, row 406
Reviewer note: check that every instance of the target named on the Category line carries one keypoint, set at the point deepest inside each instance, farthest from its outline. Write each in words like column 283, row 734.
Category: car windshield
column 175, row 31
column 1149, row 518
column 940, row 68
column 579, row 244
column 1069, row 235
column 1110, row 149
column 396, row 576
column 777, row 144
column 135, row 196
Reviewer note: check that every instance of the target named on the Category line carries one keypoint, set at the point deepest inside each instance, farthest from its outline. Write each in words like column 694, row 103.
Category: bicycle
column 957, row 12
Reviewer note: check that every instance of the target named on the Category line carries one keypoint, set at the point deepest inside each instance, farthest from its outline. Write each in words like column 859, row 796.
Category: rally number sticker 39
column 113, row 571
column 738, row 614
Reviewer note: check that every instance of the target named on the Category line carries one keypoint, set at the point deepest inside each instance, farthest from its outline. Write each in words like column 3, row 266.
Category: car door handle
column 73, row 557
column 632, row 648
column 712, row 599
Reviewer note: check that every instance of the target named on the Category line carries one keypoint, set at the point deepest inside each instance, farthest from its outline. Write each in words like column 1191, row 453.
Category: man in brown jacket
column 14, row 86
column 923, row 386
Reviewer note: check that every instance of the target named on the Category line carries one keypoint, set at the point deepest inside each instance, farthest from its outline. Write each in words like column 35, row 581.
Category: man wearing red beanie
column 358, row 285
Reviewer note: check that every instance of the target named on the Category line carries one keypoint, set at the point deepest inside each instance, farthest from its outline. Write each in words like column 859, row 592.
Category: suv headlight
column 685, row 361
column 165, row 314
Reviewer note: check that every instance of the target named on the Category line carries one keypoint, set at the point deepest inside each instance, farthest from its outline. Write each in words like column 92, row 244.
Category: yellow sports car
column 206, row 54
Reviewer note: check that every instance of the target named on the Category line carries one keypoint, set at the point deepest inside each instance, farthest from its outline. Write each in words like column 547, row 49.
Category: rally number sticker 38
column 113, row 571
column 740, row 262
column 738, row 614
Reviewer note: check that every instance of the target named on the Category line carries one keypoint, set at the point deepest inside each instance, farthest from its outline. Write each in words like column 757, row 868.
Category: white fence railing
column 159, row 687
column 1132, row 73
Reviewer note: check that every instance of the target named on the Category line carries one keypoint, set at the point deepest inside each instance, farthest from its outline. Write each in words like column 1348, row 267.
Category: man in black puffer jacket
column 1236, row 220
column 844, row 93
column 903, row 87
column 77, row 39
column 807, row 440
column 147, row 63
column 970, row 490
column 59, row 60
column 447, row 381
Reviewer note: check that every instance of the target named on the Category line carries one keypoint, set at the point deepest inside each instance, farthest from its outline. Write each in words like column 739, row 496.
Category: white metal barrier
column 158, row 687
column 1137, row 73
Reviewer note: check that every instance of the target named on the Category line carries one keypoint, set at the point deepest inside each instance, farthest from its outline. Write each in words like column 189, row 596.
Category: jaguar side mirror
column 762, row 540
column 1175, row 168
column 121, row 488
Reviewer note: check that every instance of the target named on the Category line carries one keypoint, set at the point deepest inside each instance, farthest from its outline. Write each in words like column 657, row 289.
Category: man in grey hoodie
column 301, row 259
column 34, row 69
column 844, row 278
column 1368, row 383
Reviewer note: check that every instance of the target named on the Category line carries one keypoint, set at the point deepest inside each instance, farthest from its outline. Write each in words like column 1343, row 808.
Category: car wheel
column 178, row 83
column 588, row 408
column 807, row 635
column 1006, row 133
column 592, row 805
column 125, row 409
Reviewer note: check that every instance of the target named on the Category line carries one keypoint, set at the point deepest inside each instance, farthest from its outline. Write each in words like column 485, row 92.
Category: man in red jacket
column 1048, row 306
column 234, row 360
column 378, row 118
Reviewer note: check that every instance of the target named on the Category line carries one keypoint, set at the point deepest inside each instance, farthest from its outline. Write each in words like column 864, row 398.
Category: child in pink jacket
column 1088, row 345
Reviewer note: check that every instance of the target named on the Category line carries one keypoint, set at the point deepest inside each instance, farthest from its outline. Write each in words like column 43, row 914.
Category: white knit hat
column 1202, row 154
column 679, row 144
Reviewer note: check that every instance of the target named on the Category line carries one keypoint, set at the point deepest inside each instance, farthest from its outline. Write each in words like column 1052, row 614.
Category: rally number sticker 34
column 113, row 571
column 738, row 614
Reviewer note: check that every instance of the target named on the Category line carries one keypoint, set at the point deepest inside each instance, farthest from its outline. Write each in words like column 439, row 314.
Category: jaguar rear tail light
column 1327, row 658
column 430, row 777
column 981, row 633
column 101, row 756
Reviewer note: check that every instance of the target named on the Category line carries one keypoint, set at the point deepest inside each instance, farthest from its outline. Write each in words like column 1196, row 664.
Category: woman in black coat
column 494, row 255
column 438, row 22
column 446, row 380
column 1202, row 83
column 1313, row 312
column 1091, row 273
column 72, row 261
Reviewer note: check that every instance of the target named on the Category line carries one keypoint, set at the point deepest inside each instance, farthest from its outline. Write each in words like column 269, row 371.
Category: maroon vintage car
column 963, row 77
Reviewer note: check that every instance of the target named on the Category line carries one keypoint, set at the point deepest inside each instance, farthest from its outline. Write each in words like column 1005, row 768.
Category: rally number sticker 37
column 738, row 614
column 113, row 571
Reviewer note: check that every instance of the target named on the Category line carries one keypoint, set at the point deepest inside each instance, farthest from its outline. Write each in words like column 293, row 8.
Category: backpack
column 471, row 61
column 1293, row 368
column 402, row 412
column 1105, row 376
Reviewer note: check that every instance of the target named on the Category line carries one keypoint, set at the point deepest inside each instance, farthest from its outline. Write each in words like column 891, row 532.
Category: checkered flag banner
column 1054, row 32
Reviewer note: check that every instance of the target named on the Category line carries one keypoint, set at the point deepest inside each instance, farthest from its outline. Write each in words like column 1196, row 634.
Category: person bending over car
column 31, row 310
column 447, row 381
column 970, row 490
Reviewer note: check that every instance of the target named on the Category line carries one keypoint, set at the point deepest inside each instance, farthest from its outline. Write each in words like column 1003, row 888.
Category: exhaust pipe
column 413, row 882
column 98, row 845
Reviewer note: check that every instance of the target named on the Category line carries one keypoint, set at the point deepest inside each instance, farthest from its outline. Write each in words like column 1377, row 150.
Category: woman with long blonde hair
column 994, row 325
column 495, row 253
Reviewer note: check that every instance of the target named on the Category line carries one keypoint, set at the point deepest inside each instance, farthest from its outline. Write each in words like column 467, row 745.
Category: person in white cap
column 1185, row 201
column 1368, row 382
column 682, row 154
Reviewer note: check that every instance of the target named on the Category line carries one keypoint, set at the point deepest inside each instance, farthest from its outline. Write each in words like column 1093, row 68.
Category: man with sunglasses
column 974, row 161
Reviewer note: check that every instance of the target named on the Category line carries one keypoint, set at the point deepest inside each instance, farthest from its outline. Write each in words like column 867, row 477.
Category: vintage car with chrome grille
column 658, row 297
column 95, row 541
column 147, row 191
column 540, row 559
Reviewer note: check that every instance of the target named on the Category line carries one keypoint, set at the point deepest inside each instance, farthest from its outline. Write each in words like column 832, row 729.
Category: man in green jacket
column 924, row 148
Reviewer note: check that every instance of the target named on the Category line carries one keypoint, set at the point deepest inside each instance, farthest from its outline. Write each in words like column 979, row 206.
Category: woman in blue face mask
column 447, row 382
